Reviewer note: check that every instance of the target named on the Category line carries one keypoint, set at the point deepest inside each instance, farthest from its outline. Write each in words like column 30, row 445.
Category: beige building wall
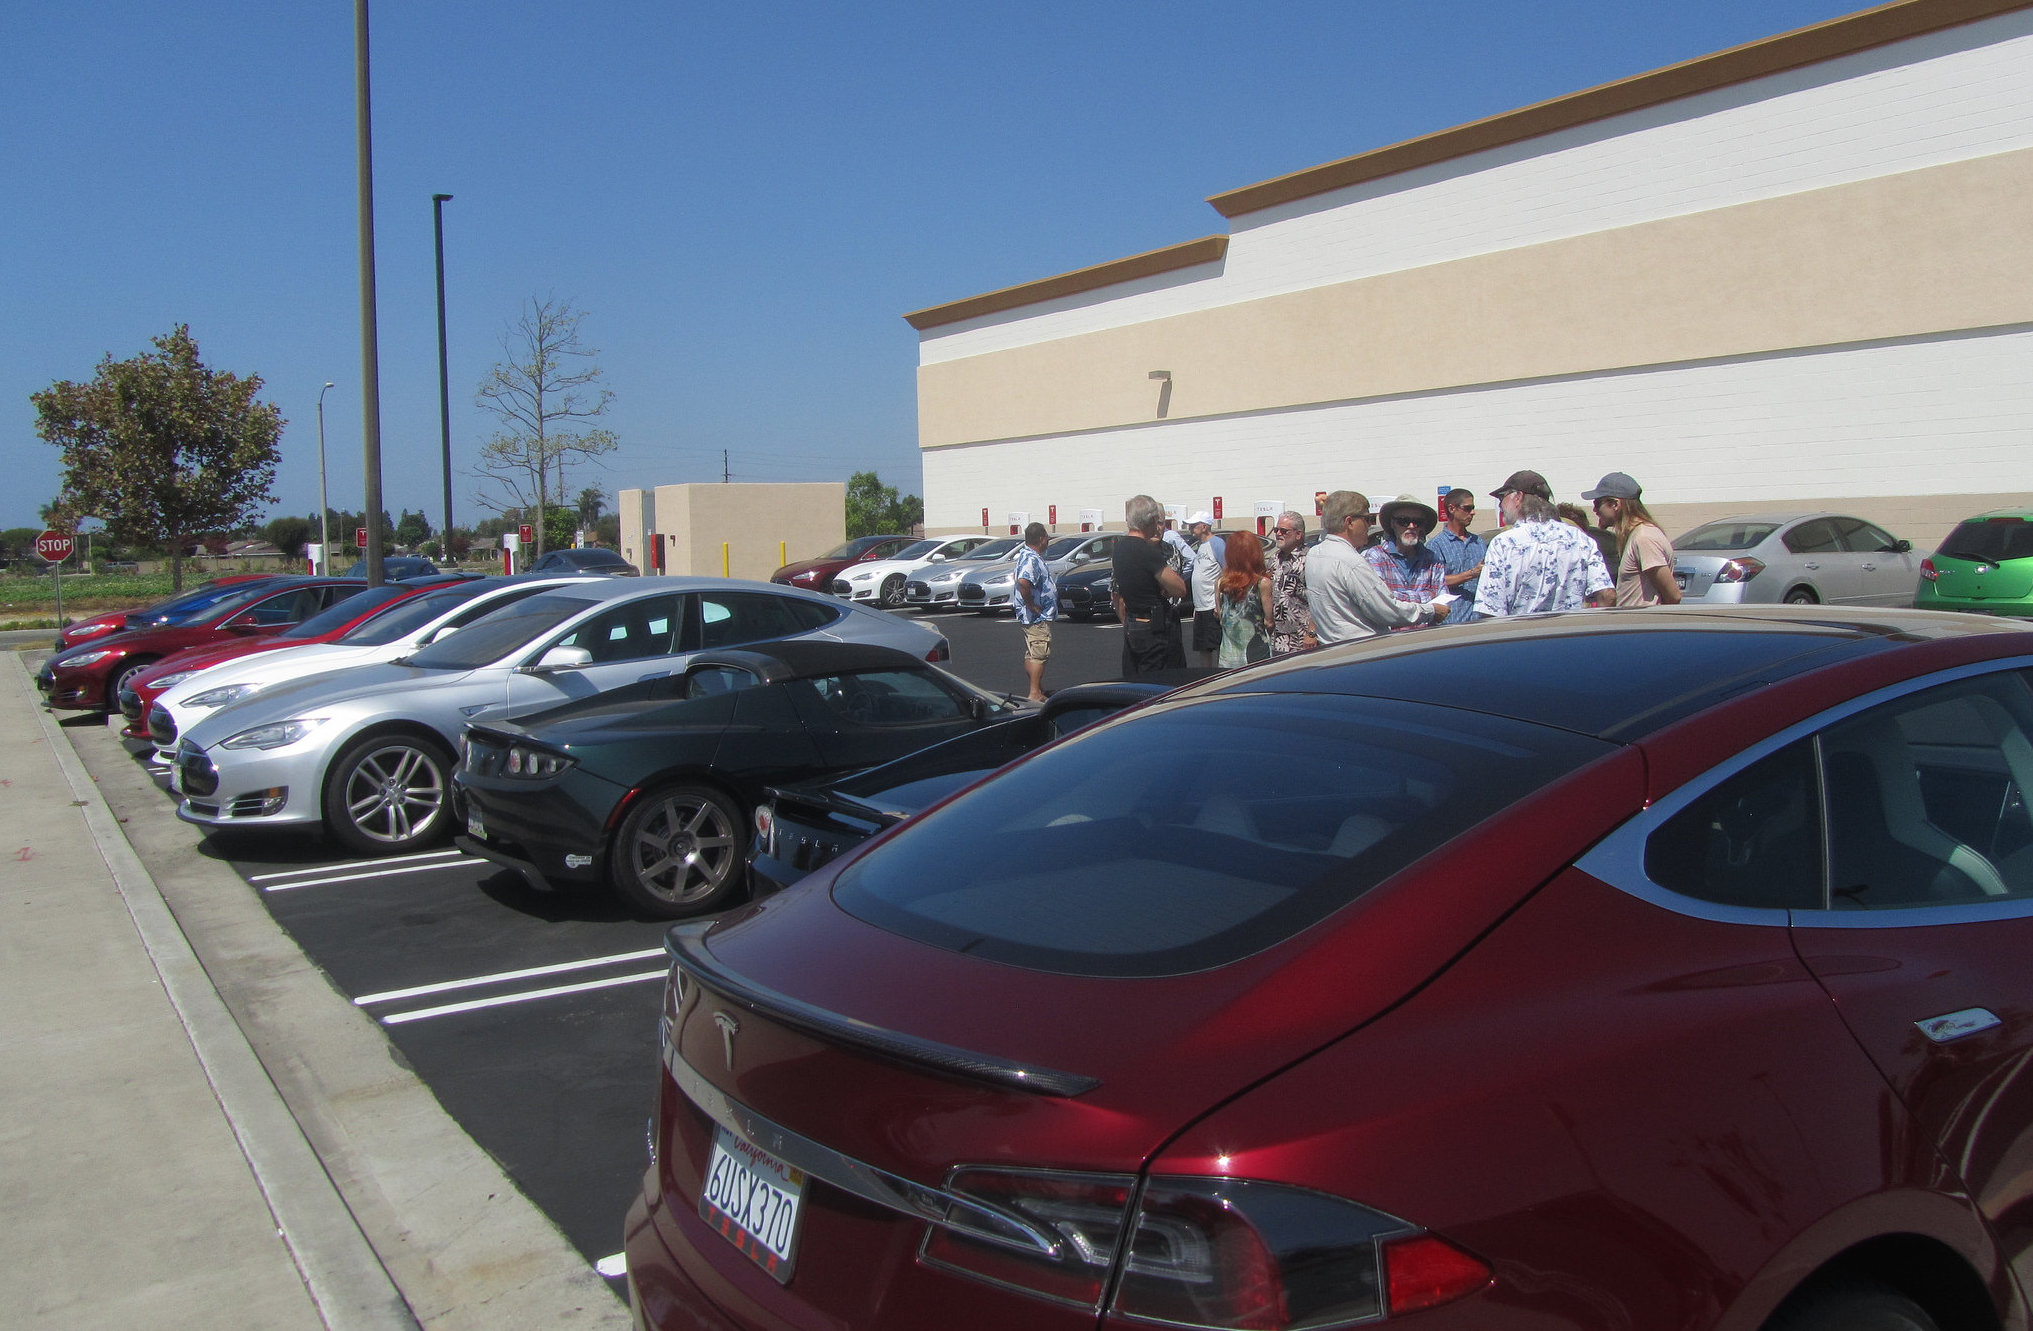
column 743, row 531
column 1936, row 250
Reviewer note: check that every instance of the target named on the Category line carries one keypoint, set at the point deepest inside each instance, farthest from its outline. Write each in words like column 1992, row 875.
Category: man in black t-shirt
column 1144, row 579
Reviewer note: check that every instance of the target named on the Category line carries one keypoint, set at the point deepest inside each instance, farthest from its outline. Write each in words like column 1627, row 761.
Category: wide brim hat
column 1387, row 515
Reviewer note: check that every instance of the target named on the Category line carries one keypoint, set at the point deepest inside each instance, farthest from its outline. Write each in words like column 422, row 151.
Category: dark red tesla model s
column 1647, row 970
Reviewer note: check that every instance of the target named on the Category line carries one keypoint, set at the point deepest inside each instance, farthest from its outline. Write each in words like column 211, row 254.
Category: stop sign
column 54, row 546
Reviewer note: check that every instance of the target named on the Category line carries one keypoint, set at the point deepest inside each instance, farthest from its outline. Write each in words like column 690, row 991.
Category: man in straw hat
column 1402, row 559
column 1348, row 599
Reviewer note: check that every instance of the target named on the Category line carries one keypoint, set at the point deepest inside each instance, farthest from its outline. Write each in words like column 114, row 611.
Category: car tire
column 1862, row 1306
column 1802, row 596
column 892, row 593
column 389, row 793
column 680, row 852
column 118, row 681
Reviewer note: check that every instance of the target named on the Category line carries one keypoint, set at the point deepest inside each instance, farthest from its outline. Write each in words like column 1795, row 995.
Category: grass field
column 32, row 597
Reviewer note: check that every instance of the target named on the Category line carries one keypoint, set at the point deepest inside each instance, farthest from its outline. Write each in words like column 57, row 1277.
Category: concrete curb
column 440, row 1218
column 346, row 1280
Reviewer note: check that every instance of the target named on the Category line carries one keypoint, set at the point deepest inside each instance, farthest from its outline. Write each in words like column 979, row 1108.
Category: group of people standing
column 1396, row 568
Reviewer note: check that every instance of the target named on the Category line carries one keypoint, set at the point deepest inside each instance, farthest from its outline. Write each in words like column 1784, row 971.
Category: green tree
column 163, row 447
column 412, row 529
column 290, row 535
column 545, row 394
column 592, row 503
column 874, row 509
column 560, row 525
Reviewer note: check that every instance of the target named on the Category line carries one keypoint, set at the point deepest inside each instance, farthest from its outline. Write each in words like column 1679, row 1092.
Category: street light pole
column 324, row 509
column 438, row 202
column 370, row 346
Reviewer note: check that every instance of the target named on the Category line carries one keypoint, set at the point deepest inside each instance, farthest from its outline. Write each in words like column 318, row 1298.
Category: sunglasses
column 1407, row 520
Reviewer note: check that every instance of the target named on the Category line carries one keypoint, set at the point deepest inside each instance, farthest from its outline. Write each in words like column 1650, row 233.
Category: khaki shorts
column 1038, row 641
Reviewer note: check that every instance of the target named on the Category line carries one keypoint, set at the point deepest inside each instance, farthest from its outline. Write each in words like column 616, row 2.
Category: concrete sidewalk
column 170, row 1158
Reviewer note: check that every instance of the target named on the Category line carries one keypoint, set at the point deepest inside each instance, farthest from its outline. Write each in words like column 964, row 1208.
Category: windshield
column 335, row 617
column 217, row 602
column 993, row 550
column 1064, row 546
column 159, row 612
column 853, row 548
column 1729, row 534
column 1990, row 540
column 1092, row 858
column 402, row 620
column 918, row 551
column 492, row 637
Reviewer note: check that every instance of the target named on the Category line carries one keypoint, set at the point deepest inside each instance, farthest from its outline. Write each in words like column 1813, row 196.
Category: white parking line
column 356, row 877
column 479, row 981
column 397, row 1018
column 617, row 1265
column 357, row 864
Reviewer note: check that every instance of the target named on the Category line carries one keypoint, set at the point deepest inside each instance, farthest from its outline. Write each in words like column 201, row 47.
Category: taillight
column 1739, row 570
column 1928, row 572
column 1075, row 1225
column 765, row 829
column 1217, row 1253
column 943, row 652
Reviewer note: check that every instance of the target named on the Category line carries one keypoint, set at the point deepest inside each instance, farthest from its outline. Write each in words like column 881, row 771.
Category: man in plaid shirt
column 1411, row 570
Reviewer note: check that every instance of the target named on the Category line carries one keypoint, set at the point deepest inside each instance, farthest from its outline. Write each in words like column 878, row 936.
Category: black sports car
column 1088, row 592
column 646, row 788
column 802, row 827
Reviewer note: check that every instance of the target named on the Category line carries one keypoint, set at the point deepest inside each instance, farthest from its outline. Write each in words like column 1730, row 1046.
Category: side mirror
column 939, row 558
column 1902, row 546
column 560, row 658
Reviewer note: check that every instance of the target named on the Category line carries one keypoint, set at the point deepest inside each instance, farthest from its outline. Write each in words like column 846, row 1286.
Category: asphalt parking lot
column 532, row 1015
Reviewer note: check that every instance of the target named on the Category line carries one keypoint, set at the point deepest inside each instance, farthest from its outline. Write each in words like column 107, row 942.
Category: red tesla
column 90, row 674
column 140, row 689
column 1651, row 970
column 113, row 621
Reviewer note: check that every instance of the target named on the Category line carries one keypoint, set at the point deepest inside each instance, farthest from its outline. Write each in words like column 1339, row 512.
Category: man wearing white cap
column 1209, row 554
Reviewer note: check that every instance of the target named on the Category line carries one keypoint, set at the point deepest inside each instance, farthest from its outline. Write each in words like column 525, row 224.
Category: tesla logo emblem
column 728, row 1027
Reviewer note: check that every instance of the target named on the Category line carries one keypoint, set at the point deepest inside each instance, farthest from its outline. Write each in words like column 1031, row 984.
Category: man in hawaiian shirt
column 1291, row 619
column 1538, row 562
column 1412, row 572
column 1037, row 604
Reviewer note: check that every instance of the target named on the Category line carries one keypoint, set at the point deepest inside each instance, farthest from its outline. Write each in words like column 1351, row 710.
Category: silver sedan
column 992, row 587
column 1798, row 558
column 366, row 754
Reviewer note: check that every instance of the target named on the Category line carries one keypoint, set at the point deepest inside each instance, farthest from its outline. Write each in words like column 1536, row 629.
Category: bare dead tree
column 544, row 394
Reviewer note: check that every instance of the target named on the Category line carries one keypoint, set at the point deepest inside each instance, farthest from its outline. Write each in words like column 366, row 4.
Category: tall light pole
column 324, row 509
column 370, row 343
column 438, row 202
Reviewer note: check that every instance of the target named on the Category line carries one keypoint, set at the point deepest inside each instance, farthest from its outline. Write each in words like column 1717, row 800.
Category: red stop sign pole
column 53, row 548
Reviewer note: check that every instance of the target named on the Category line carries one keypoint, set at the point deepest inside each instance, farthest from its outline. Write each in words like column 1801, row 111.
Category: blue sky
column 744, row 198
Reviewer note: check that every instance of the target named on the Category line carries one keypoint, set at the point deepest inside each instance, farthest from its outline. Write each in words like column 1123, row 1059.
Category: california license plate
column 474, row 827
column 752, row 1199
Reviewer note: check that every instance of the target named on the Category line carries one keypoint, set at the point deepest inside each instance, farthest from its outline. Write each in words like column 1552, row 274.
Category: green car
column 1985, row 565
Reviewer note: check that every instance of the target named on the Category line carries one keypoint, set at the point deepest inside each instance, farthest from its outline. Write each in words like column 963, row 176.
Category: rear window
column 1726, row 536
column 1991, row 540
column 1191, row 836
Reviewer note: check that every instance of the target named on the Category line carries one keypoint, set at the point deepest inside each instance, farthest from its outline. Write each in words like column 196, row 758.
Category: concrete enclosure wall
column 761, row 527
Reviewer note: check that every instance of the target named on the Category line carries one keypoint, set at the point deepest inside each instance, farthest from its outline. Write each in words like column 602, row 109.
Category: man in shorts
column 1036, row 604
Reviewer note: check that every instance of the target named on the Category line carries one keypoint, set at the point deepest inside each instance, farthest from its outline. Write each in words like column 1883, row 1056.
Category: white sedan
column 882, row 580
column 400, row 631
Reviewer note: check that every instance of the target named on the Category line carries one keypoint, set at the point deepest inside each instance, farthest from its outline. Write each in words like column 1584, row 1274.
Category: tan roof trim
column 1739, row 64
column 1207, row 249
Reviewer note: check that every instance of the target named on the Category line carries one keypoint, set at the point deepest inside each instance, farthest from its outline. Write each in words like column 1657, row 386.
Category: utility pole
column 438, row 202
column 370, row 348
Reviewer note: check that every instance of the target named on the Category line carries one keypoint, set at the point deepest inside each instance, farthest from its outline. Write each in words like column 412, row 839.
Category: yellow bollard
column 723, row 559
column 783, row 553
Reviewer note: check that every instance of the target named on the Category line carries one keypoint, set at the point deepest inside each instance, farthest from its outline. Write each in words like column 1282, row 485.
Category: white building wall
column 1947, row 415
column 1942, row 97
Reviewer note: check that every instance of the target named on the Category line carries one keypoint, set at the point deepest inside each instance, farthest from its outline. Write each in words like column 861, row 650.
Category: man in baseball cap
column 1524, row 482
column 1644, row 565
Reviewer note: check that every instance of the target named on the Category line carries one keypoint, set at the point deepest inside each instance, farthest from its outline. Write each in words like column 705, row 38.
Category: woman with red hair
column 1245, row 603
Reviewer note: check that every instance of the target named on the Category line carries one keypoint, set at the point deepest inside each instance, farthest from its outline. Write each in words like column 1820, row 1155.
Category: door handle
column 1810, row 564
column 1955, row 1025
column 1870, row 568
